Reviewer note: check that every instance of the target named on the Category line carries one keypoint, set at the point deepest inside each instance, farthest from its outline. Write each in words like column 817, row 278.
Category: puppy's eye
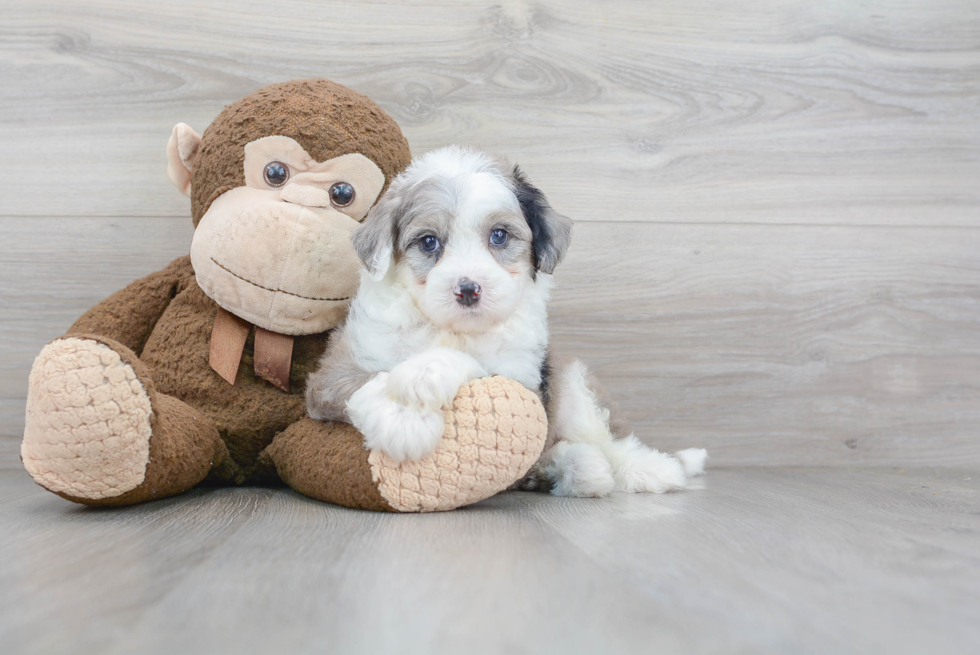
column 341, row 194
column 276, row 174
column 499, row 237
column 428, row 244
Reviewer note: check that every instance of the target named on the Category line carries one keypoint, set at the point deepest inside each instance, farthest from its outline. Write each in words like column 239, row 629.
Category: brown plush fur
column 161, row 324
column 184, row 447
column 327, row 461
column 327, row 119
column 129, row 315
column 247, row 414
column 187, row 395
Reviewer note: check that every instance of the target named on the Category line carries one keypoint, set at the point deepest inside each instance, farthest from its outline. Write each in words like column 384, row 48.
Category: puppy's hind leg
column 577, row 469
column 582, row 413
column 576, row 465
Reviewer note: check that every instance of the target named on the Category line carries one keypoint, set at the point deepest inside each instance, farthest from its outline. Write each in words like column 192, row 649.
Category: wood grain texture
column 782, row 112
column 754, row 561
column 766, row 344
column 58, row 269
column 783, row 344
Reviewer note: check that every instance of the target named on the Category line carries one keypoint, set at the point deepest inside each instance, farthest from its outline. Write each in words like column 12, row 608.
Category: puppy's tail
column 692, row 459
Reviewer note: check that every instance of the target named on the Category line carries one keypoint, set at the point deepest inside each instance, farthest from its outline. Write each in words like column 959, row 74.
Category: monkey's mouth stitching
column 288, row 293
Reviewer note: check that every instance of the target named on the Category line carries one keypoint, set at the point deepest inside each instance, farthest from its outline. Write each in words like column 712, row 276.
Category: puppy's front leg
column 400, row 431
column 431, row 379
column 401, row 412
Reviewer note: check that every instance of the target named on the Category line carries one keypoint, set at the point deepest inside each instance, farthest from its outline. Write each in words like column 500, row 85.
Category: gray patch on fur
column 336, row 379
column 404, row 203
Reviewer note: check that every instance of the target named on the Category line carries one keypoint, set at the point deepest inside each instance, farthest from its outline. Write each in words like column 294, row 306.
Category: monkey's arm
column 129, row 315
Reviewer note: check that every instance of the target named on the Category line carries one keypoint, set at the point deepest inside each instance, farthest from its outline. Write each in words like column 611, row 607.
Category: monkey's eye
column 428, row 244
column 276, row 174
column 499, row 237
column 341, row 194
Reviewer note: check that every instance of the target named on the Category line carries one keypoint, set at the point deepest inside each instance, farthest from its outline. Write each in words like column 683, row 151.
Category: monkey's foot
column 88, row 426
column 98, row 433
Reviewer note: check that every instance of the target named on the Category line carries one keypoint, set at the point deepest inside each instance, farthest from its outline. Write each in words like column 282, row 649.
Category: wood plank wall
column 777, row 250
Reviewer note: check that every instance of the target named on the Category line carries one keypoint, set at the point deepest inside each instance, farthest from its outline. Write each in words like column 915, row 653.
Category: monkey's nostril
column 467, row 292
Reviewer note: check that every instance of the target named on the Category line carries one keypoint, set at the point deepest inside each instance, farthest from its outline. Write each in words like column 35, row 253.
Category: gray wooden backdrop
column 777, row 250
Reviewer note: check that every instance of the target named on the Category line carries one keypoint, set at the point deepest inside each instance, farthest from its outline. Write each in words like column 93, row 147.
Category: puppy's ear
column 551, row 232
column 374, row 240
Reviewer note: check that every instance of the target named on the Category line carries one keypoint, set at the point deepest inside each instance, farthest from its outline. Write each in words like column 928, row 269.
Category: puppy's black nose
column 467, row 292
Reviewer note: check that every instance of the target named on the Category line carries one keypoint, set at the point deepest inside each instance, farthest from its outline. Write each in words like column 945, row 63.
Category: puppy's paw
column 577, row 469
column 431, row 379
column 399, row 431
column 638, row 468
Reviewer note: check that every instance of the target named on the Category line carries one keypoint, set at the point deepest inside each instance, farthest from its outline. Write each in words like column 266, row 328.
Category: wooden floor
column 776, row 256
column 773, row 560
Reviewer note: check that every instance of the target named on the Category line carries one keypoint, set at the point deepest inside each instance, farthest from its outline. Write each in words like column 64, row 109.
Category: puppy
column 459, row 255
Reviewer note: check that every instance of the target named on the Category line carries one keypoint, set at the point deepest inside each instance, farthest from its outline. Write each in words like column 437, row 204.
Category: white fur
column 386, row 328
column 428, row 364
column 487, row 190
column 432, row 344
column 467, row 256
column 388, row 425
column 429, row 342
column 693, row 460
column 578, row 416
column 639, row 468
column 635, row 467
column 578, row 469
column 431, row 379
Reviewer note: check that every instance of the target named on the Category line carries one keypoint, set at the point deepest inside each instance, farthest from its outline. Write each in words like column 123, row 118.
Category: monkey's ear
column 181, row 152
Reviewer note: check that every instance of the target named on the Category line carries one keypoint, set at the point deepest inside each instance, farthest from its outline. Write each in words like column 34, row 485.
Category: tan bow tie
column 273, row 351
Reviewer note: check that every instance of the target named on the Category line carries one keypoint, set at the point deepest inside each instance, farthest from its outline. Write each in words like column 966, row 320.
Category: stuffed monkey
column 196, row 372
